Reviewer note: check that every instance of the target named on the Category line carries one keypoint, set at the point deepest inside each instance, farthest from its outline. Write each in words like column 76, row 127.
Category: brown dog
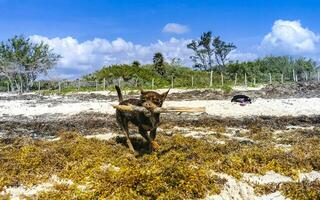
column 144, row 123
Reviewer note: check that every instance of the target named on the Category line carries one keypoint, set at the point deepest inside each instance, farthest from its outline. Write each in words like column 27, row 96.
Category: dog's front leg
column 129, row 143
column 153, row 133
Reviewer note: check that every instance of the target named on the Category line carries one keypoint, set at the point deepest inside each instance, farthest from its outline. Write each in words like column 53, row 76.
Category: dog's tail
column 119, row 93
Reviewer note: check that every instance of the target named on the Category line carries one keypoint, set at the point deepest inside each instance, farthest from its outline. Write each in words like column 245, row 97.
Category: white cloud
column 290, row 37
column 80, row 58
column 175, row 28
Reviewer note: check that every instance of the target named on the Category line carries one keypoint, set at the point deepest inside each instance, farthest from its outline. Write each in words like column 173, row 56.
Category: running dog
column 145, row 123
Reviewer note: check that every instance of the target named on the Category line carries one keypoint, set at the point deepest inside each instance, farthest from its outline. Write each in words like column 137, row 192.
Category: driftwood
column 171, row 109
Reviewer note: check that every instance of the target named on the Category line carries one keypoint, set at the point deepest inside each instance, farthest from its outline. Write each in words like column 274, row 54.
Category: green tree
column 136, row 63
column 21, row 61
column 203, row 53
column 158, row 63
column 221, row 51
column 210, row 52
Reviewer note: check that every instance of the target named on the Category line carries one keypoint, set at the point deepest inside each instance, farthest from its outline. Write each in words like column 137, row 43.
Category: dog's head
column 154, row 97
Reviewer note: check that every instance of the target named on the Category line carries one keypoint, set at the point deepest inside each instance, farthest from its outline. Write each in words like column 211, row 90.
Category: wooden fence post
column 152, row 83
column 96, row 85
column 254, row 80
column 59, row 86
column 245, row 79
column 318, row 75
column 294, row 76
column 282, row 78
column 270, row 78
column 221, row 79
column 235, row 79
column 39, row 86
column 306, row 76
column 21, row 89
column 104, row 83
column 211, row 73
column 171, row 81
column 191, row 81
column 8, row 88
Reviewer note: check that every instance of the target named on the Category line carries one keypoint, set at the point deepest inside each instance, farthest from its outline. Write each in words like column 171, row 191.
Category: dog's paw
column 155, row 146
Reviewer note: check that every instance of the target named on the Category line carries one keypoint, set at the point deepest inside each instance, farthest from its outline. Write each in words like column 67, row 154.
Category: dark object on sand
column 242, row 99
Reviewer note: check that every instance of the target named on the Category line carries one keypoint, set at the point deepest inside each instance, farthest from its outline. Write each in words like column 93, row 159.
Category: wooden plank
column 171, row 109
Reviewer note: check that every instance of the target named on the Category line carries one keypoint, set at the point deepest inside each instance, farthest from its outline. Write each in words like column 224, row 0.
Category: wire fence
column 210, row 80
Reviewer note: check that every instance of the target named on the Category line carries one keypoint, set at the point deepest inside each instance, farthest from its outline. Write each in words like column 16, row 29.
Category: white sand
column 311, row 176
column 6, row 94
column 261, row 107
column 269, row 177
column 106, row 136
column 199, row 133
column 16, row 192
column 221, row 108
column 27, row 108
column 239, row 190
column 242, row 190
column 272, row 177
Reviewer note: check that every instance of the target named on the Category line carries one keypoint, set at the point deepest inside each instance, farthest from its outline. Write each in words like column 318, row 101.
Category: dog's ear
column 164, row 95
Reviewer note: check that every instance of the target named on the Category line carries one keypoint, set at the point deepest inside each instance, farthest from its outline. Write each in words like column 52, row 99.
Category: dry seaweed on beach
column 207, row 146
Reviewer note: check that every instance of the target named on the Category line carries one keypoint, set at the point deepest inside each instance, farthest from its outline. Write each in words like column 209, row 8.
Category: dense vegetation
column 133, row 75
column 276, row 65
column 142, row 75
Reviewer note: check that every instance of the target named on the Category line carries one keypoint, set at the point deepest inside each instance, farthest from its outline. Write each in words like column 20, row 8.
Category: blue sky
column 139, row 26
